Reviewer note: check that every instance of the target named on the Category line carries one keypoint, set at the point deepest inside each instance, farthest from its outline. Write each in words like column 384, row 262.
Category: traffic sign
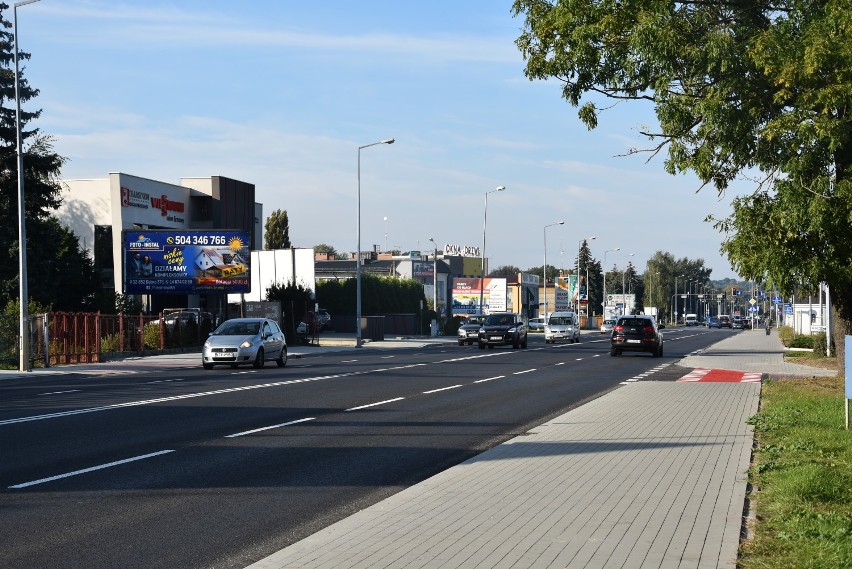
column 753, row 309
column 776, row 300
column 752, row 301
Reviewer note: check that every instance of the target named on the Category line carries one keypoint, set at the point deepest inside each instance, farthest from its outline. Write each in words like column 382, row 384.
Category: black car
column 503, row 329
column 469, row 329
column 636, row 334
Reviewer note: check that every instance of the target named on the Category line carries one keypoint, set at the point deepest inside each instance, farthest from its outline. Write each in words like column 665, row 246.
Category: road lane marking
column 287, row 424
column 374, row 404
column 60, row 392
column 90, row 469
column 560, row 364
column 489, row 378
column 525, row 371
column 163, row 381
column 348, row 361
column 386, row 357
column 441, row 389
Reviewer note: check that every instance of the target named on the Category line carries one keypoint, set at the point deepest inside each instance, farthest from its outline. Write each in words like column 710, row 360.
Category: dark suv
column 636, row 334
column 502, row 329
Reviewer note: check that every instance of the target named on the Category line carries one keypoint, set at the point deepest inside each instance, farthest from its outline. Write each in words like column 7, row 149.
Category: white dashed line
column 59, row 392
column 269, row 427
column 375, row 404
column 441, row 389
column 525, row 371
column 91, row 469
column 489, row 379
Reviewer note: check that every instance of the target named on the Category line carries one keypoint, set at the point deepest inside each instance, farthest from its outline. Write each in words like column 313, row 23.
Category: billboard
column 180, row 261
column 466, row 294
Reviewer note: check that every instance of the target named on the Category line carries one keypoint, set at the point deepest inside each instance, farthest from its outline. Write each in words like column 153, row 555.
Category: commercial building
column 99, row 210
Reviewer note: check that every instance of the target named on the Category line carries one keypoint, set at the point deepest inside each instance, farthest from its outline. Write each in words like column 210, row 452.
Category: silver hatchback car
column 245, row 341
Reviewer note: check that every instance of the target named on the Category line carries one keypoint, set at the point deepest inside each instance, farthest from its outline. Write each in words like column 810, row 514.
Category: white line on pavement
column 441, row 389
column 91, row 469
column 287, row 424
column 374, row 404
column 59, row 392
column 525, row 371
column 489, row 378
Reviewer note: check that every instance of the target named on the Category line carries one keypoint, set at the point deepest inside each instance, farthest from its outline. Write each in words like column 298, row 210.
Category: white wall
column 279, row 266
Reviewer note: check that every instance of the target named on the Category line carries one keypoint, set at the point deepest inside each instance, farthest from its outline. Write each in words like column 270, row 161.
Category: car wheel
column 208, row 366
column 661, row 350
column 524, row 344
column 515, row 344
column 490, row 346
column 461, row 342
column 481, row 346
column 258, row 359
column 282, row 359
column 613, row 352
column 577, row 340
column 234, row 366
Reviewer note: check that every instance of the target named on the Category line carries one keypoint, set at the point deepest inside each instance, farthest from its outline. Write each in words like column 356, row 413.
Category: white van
column 562, row 326
column 691, row 320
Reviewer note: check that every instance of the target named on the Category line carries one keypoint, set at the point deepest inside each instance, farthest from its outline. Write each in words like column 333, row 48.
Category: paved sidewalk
column 652, row 474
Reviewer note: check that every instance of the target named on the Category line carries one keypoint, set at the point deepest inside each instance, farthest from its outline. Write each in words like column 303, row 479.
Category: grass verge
column 801, row 478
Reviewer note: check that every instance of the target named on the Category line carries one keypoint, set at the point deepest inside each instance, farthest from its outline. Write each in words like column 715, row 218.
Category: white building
column 99, row 210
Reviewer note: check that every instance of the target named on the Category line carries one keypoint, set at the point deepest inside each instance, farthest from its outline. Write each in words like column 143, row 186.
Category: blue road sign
column 776, row 300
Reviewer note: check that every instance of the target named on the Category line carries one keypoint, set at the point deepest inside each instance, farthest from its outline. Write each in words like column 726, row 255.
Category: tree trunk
column 841, row 300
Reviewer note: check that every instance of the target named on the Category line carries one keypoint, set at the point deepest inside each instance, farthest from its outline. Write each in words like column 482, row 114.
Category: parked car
column 245, row 341
column 469, row 329
column 324, row 319
column 636, row 334
column 562, row 326
column 606, row 326
column 536, row 324
column 501, row 329
column 713, row 322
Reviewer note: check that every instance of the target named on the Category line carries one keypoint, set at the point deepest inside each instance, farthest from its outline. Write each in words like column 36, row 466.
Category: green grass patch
column 802, row 478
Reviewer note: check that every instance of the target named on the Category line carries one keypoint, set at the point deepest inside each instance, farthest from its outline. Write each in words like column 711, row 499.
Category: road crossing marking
column 701, row 375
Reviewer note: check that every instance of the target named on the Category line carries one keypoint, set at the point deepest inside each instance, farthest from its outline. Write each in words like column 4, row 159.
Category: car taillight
column 619, row 328
column 648, row 329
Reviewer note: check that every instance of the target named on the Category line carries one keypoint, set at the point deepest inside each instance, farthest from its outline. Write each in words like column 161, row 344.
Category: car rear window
column 500, row 319
column 635, row 322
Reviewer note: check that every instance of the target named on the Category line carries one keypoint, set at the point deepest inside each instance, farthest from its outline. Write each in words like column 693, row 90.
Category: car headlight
column 512, row 330
column 207, row 345
column 246, row 344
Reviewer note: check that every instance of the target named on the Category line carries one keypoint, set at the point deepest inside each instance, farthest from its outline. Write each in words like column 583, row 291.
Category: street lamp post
column 603, row 304
column 434, row 277
column 544, row 270
column 623, row 273
column 675, row 298
column 24, row 330
column 482, row 253
column 579, row 247
column 358, row 339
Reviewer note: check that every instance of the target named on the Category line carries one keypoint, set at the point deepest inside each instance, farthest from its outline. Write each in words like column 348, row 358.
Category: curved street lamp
column 358, row 340
column 544, row 270
column 482, row 253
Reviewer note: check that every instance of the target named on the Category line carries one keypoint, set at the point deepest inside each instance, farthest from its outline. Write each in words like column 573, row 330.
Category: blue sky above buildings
column 280, row 94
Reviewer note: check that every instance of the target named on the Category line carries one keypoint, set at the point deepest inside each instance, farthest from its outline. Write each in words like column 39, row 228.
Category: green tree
column 277, row 230
column 59, row 273
column 736, row 88
column 505, row 271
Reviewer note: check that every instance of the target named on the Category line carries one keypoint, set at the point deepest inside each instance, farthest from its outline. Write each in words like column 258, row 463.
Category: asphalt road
column 221, row 468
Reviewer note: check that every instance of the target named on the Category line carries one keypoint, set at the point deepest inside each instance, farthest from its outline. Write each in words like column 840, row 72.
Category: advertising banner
column 466, row 295
column 186, row 261
column 566, row 293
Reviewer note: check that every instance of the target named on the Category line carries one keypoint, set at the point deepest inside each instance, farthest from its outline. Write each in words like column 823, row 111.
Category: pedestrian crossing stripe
column 720, row 375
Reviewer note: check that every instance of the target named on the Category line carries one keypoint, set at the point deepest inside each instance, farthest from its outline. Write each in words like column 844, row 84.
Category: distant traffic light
column 735, row 291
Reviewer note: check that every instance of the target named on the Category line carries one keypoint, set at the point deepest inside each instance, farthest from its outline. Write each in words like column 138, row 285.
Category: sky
column 281, row 94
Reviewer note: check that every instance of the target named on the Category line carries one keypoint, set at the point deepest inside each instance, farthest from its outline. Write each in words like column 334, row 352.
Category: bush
column 451, row 328
column 820, row 344
column 152, row 336
column 786, row 334
column 110, row 343
column 802, row 342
